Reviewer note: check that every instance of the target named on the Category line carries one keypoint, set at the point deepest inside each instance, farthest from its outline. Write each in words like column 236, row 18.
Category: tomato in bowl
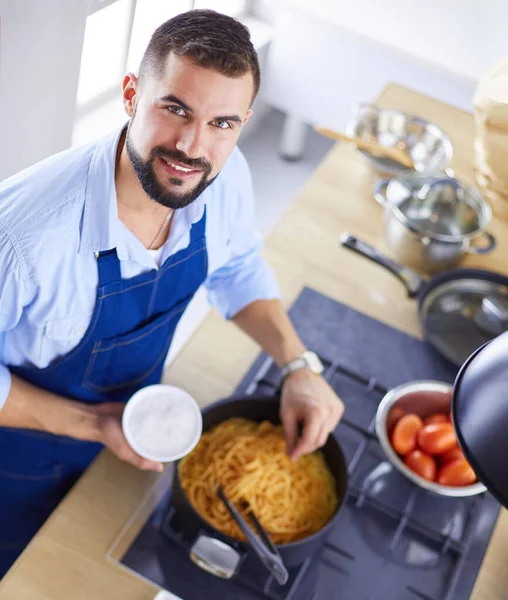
column 415, row 430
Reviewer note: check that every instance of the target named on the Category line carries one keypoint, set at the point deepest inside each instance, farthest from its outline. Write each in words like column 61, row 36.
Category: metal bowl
column 429, row 147
column 422, row 398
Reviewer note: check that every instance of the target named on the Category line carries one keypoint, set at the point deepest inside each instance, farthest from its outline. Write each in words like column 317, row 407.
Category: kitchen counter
column 67, row 558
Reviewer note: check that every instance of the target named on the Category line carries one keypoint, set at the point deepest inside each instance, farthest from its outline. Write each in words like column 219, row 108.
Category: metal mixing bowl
column 422, row 398
column 429, row 147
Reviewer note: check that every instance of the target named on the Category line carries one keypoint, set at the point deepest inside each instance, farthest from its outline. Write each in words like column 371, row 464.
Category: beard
column 152, row 187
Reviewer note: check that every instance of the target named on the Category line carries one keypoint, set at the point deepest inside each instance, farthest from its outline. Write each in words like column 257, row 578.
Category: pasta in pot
column 292, row 500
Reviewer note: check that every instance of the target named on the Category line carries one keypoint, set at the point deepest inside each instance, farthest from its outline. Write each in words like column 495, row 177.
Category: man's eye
column 221, row 124
column 177, row 110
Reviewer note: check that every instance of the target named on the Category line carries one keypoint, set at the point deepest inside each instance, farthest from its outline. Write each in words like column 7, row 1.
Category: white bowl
column 153, row 431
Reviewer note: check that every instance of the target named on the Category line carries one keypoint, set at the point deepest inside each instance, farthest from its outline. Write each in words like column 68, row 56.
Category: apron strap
column 198, row 229
column 109, row 267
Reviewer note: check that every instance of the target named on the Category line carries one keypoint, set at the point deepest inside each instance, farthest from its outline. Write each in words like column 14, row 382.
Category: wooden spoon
column 374, row 148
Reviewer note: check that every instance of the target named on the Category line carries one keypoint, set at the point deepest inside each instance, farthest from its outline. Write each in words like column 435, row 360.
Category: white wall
column 463, row 36
column 317, row 70
column 40, row 53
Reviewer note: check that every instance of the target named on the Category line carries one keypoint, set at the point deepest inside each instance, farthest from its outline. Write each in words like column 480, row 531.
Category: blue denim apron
column 123, row 350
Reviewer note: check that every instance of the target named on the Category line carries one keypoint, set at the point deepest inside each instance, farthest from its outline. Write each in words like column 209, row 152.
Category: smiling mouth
column 177, row 170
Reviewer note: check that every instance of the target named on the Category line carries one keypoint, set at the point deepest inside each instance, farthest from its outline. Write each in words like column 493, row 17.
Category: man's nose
column 191, row 141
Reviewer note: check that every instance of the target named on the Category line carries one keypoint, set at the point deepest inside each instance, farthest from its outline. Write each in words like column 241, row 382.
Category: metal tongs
column 262, row 545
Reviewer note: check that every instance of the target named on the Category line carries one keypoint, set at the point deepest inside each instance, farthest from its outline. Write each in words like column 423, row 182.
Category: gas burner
column 392, row 539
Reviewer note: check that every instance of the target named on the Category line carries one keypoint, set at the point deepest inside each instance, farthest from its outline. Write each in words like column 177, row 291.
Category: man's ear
column 247, row 116
column 130, row 87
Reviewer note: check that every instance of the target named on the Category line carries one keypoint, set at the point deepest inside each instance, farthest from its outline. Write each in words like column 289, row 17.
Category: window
column 104, row 50
column 233, row 8
column 148, row 16
column 116, row 35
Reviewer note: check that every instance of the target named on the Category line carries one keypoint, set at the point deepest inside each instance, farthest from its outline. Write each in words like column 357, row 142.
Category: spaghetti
column 292, row 500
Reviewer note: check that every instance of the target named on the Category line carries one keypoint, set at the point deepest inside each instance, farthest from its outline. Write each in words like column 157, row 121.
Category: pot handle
column 380, row 191
column 262, row 545
column 215, row 557
column 491, row 244
column 410, row 279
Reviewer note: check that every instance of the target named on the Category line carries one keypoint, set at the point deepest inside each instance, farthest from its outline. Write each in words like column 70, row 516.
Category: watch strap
column 293, row 365
column 304, row 361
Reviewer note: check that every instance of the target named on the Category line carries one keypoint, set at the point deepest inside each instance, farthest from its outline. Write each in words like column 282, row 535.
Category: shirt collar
column 100, row 215
column 101, row 228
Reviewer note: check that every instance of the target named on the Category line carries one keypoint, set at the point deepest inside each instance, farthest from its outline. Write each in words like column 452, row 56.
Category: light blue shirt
column 56, row 214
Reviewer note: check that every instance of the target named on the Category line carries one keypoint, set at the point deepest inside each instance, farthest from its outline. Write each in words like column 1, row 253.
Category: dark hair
column 211, row 39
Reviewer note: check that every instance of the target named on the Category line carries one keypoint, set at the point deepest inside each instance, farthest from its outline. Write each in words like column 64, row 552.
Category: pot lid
column 438, row 206
column 480, row 414
column 463, row 310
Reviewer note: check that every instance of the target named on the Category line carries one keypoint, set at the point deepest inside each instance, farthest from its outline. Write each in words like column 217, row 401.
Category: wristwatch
column 307, row 360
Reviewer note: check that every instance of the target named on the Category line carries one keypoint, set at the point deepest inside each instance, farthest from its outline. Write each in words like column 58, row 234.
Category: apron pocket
column 127, row 361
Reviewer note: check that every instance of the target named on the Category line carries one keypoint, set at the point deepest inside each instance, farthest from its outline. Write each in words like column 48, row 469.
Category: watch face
column 315, row 365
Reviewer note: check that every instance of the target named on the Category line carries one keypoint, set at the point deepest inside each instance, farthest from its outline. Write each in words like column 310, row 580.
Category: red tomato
column 405, row 432
column 396, row 414
column 436, row 418
column 422, row 464
column 453, row 454
column 456, row 473
column 437, row 438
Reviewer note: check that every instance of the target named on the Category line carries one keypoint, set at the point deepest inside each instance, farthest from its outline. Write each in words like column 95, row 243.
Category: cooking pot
column 432, row 221
column 459, row 310
column 221, row 554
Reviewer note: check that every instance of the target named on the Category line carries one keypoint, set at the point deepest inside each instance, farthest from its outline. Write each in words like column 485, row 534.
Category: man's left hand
column 307, row 399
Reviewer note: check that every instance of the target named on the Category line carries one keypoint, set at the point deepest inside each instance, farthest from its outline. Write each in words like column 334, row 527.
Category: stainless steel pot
column 431, row 222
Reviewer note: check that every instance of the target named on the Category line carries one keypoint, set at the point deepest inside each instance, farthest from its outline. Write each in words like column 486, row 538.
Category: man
column 103, row 247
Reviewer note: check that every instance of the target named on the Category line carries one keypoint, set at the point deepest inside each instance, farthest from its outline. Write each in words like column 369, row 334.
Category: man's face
column 184, row 126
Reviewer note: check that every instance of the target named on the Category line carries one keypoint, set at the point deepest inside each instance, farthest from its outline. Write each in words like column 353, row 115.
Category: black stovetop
column 392, row 540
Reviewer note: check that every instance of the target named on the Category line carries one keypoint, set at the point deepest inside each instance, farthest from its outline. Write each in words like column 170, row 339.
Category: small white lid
column 156, row 402
column 163, row 595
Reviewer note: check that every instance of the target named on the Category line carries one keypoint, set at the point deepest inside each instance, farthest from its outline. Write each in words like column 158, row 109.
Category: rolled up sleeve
column 242, row 276
column 14, row 295
column 243, row 280
column 5, row 384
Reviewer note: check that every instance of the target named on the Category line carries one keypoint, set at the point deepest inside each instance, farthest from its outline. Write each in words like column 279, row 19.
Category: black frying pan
column 459, row 309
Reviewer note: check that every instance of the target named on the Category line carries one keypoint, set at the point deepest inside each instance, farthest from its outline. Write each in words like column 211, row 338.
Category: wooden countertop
column 67, row 558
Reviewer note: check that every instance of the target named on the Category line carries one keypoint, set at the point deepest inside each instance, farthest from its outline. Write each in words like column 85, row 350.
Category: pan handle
column 410, row 279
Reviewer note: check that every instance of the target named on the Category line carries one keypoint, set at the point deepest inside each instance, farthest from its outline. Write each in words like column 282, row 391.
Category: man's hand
column 31, row 407
column 306, row 398
column 309, row 400
column 109, row 421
